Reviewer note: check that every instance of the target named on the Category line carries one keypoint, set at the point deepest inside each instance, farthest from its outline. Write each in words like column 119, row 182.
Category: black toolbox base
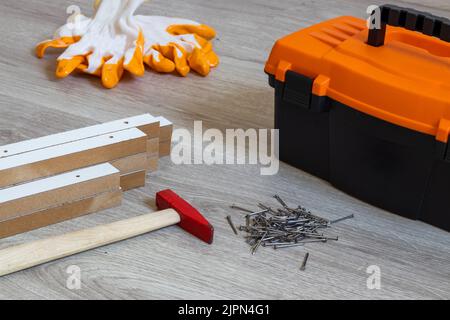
column 391, row 167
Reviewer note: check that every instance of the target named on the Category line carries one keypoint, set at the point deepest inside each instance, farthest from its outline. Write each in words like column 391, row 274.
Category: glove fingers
column 158, row 62
column 199, row 63
column 188, row 46
column 60, row 43
column 201, row 30
column 112, row 73
column 67, row 66
column 180, row 59
column 205, row 46
column 212, row 58
column 190, row 49
column 134, row 57
column 177, row 54
column 95, row 62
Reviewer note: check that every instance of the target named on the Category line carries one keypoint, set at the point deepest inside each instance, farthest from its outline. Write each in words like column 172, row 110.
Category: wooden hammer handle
column 31, row 254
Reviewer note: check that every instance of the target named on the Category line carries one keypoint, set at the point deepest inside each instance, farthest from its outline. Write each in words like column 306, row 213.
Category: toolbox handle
column 410, row 19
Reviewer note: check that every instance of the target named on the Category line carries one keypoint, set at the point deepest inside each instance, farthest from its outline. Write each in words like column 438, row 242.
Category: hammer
column 173, row 210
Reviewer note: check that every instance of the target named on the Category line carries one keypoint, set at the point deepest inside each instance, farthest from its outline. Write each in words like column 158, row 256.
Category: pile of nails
column 283, row 227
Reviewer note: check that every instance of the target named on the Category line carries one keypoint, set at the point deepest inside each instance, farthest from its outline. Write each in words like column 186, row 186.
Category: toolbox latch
column 298, row 89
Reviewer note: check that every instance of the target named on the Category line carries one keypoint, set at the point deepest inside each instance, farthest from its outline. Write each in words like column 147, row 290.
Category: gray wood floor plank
column 414, row 257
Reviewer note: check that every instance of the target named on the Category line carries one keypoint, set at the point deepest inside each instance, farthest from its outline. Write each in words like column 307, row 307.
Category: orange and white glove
column 115, row 40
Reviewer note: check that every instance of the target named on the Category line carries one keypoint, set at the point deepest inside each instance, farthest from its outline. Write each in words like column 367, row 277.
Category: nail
column 313, row 240
column 240, row 208
column 277, row 197
column 230, row 222
column 342, row 219
column 257, row 213
column 266, row 208
column 275, row 244
column 305, row 259
column 256, row 246
column 288, row 245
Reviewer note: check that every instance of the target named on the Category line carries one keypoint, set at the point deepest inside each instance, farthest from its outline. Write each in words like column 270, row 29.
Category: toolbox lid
column 405, row 81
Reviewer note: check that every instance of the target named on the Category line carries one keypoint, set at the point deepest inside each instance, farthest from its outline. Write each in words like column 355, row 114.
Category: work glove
column 115, row 40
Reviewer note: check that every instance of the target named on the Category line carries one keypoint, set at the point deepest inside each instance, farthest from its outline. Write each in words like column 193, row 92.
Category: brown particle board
column 153, row 147
column 152, row 164
column 165, row 129
column 54, row 191
column 62, row 158
column 133, row 180
column 60, row 213
column 137, row 162
column 164, row 148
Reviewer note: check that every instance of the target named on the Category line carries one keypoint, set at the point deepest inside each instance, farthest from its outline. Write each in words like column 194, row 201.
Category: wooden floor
column 414, row 257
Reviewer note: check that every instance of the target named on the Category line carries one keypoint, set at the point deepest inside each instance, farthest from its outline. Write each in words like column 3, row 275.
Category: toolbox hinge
column 298, row 91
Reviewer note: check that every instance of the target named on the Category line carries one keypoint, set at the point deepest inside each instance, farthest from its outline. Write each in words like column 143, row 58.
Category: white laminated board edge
column 55, row 190
column 56, row 182
column 78, row 134
column 69, row 148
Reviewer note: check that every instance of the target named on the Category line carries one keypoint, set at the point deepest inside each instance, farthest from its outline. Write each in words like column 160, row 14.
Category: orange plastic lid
column 405, row 82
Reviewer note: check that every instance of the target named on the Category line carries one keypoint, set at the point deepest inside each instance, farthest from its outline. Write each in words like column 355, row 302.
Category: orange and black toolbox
column 368, row 109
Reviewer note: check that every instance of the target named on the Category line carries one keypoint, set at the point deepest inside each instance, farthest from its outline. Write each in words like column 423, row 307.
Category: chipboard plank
column 57, row 190
column 67, row 211
column 136, row 162
column 133, row 180
column 165, row 129
column 66, row 157
column 146, row 123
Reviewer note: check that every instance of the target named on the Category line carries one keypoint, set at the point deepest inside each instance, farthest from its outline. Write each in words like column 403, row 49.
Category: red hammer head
column 190, row 219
